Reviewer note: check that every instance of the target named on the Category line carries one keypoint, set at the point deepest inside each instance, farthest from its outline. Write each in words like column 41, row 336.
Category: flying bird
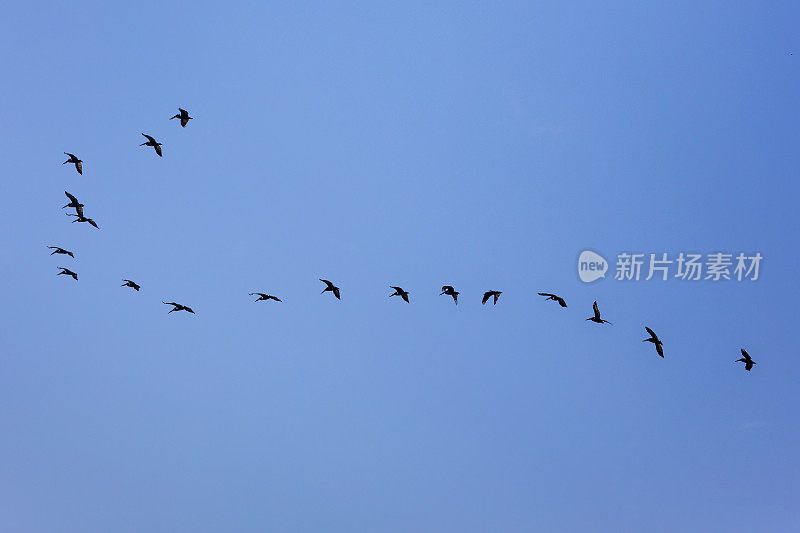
column 450, row 291
column 152, row 142
column 131, row 284
column 262, row 296
column 59, row 250
column 489, row 294
column 73, row 202
column 81, row 218
column 557, row 298
column 183, row 115
column 655, row 340
column 747, row 360
column 596, row 317
column 68, row 272
column 177, row 307
column 398, row 291
column 330, row 287
column 74, row 159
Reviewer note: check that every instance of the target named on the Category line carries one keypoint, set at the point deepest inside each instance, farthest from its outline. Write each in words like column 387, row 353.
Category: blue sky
column 416, row 144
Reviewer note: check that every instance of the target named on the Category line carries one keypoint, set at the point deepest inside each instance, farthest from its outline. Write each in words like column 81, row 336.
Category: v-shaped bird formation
column 447, row 290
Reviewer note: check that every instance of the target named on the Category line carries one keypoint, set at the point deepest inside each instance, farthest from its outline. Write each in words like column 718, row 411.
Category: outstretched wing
column 486, row 296
column 158, row 150
column 79, row 167
column 660, row 349
column 549, row 295
column 596, row 309
column 150, row 139
column 561, row 301
column 71, row 198
column 336, row 293
column 651, row 332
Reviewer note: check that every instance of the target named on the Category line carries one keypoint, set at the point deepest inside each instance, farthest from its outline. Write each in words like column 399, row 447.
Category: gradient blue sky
column 414, row 144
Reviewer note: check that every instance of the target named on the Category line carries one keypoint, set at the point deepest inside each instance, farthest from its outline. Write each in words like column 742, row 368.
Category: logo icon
column 591, row 266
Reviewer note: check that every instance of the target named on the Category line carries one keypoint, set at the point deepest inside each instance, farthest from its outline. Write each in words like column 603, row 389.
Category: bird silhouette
column 73, row 202
column 131, row 284
column 450, row 291
column 59, row 250
column 74, row 159
column 554, row 297
column 747, row 360
column 330, row 287
column 81, row 218
column 489, row 294
column 68, row 272
column 262, row 296
column 596, row 317
column 655, row 340
column 398, row 291
column 183, row 115
column 152, row 142
column 178, row 307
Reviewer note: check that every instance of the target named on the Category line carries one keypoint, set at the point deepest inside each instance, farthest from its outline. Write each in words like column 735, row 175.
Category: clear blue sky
column 415, row 144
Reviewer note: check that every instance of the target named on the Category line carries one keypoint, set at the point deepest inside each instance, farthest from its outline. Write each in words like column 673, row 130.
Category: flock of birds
column 448, row 290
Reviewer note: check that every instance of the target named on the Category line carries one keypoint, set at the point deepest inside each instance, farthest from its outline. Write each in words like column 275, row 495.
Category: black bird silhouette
column 655, row 340
column 81, row 218
column 450, row 291
column 747, row 360
column 73, row 202
column 59, row 250
column 68, row 272
column 489, row 294
column 330, row 287
column 183, row 115
column 152, row 142
column 398, row 291
column 131, row 284
column 177, row 307
column 74, row 159
column 596, row 317
column 262, row 296
column 558, row 299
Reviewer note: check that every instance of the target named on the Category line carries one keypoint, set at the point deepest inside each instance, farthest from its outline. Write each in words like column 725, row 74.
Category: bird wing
column 549, row 295
column 596, row 310
column 326, row 282
column 93, row 223
column 184, row 121
column 188, row 309
column 158, row 150
column 79, row 167
column 486, row 296
column 745, row 354
column 72, row 198
column 149, row 138
column 404, row 296
column 397, row 289
column 276, row 298
column 660, row 349
column 79, row 210
column 336, row 293
column 561, row 301
column 651, row 332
